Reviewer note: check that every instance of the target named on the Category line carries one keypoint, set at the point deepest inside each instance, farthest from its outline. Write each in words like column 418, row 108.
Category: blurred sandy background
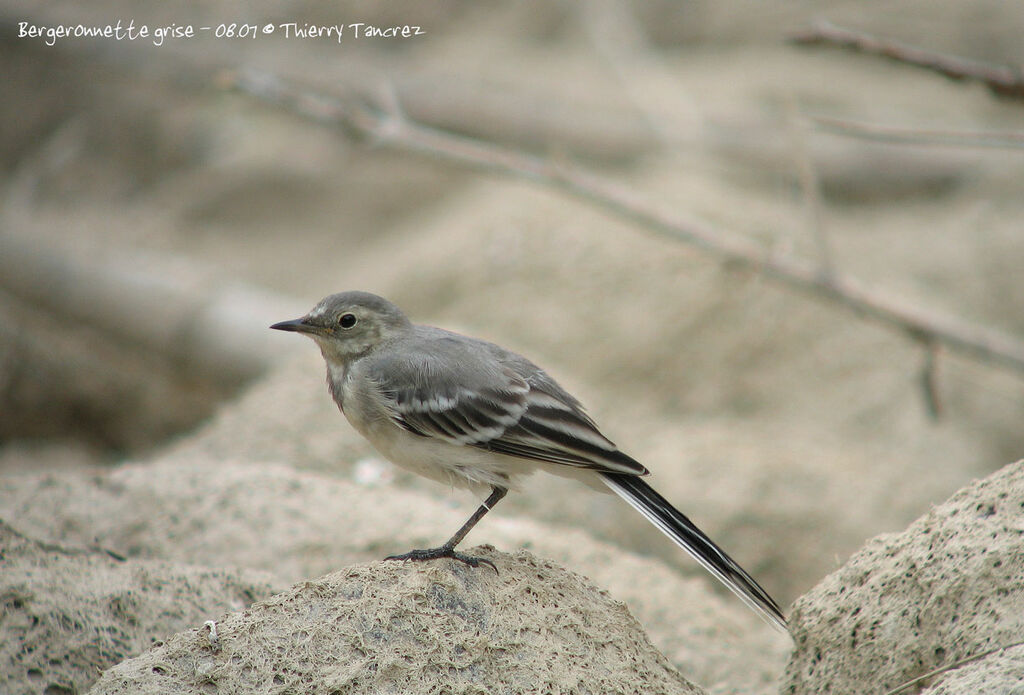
column 788, row 427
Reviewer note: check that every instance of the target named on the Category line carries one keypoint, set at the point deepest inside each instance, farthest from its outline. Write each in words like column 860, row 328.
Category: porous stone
column 392, row 627
column 949, row 587
column 297, row 525
column 67, row 613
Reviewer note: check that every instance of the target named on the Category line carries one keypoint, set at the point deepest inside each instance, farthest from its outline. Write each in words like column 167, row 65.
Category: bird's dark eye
column 347, row 320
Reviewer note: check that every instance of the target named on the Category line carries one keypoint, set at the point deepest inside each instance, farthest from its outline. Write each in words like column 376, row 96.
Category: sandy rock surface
column 300, row 525
column 1000, row 672
column 948, row 588
column 392, row 627
column 70, row 612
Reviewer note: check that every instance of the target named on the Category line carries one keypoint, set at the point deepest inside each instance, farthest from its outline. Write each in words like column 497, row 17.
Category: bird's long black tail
column 687, row 536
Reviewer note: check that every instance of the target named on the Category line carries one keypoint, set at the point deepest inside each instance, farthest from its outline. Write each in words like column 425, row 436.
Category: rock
column 1000, row 672
column 415, row 628
column 299, row 525
column 947, row 588
column 70, row 612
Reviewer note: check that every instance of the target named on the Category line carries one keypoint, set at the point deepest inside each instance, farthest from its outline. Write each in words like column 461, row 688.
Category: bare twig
column 623, row 46
column 810, row 185
column 930, row 381
column 949, row 667
column 356, row 115
column 1004, row 81
column 917, row 136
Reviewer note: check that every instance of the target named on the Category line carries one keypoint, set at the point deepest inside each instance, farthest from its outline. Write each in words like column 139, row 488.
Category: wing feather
column 473, row 393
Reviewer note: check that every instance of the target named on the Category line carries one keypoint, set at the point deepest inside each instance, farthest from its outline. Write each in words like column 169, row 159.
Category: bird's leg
column 448, row 549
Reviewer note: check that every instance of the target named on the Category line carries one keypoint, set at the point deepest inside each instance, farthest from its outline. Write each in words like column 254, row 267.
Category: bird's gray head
column 349, row 324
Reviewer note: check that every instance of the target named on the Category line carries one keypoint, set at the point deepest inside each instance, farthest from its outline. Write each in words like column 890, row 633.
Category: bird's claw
column 443, row 551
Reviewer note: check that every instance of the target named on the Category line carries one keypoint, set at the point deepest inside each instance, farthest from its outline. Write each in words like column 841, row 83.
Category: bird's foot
column 443, row 551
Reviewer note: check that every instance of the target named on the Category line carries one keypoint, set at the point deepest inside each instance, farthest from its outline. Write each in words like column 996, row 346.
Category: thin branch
column 1006, row 81
column 930, row 381
column 916, row 136
column 357, row 115
column 950, row 667
column 622, row 45
column 810, row 184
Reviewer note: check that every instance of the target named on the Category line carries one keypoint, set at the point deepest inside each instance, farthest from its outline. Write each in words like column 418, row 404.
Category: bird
column 470, row 413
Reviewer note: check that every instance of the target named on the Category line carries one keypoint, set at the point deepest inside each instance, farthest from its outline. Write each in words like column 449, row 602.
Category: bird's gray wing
column 557, row 430
column 472, row 393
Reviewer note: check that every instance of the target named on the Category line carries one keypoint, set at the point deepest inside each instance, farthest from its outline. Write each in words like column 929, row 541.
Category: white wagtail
column 471, row 413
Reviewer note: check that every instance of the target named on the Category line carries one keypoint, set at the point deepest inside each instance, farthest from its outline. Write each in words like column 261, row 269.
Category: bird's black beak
column 295, row 326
